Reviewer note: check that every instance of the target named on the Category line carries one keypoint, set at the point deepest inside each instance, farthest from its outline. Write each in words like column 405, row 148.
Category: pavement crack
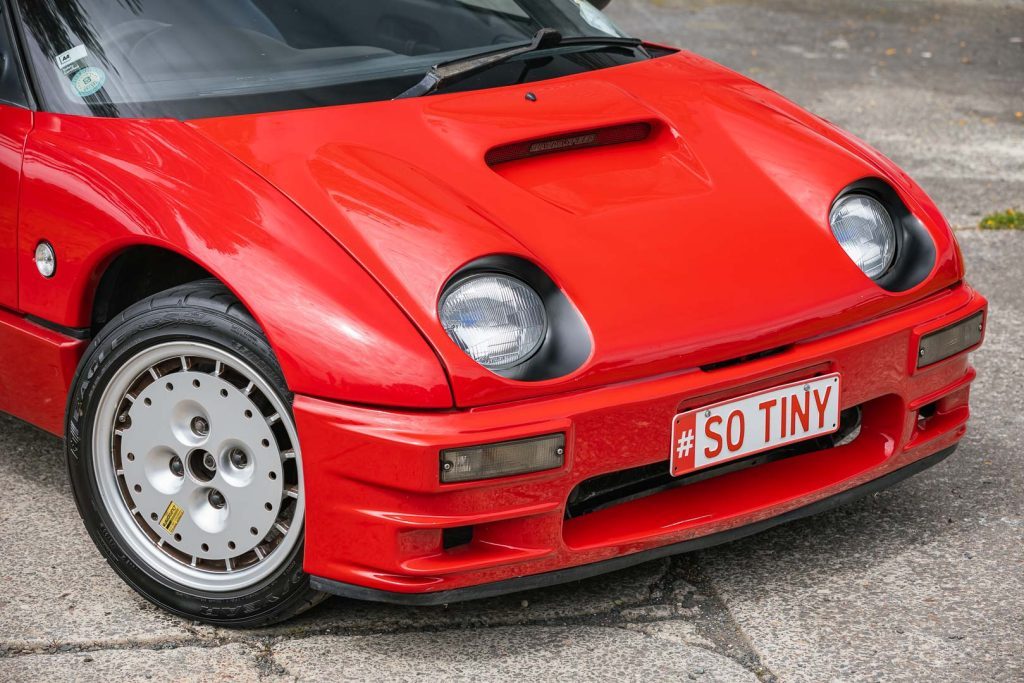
column 715, row 621
column 14, row 649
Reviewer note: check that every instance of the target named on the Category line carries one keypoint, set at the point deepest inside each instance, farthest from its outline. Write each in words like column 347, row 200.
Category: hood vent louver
column 597, row 137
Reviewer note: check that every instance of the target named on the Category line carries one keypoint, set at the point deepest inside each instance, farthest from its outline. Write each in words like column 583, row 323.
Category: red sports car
column 426, row 300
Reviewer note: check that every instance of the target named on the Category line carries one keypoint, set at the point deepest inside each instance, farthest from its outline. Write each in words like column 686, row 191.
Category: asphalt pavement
column 924, row 581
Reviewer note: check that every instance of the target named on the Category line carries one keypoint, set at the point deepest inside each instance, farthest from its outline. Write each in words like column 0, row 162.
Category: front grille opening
column 620, row 487
column 456, row 536
column 711, row 367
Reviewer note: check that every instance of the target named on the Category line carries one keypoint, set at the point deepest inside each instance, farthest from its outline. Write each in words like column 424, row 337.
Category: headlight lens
column 497, row 320
column 865, row 230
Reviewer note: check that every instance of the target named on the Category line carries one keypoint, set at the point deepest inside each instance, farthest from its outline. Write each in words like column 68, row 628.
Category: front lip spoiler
column 524, row 583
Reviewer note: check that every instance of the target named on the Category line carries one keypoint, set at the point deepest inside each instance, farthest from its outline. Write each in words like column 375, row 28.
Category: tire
column 212, row 459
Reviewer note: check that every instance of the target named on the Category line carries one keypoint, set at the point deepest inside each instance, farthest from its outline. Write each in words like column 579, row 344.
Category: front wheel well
column 137, row 273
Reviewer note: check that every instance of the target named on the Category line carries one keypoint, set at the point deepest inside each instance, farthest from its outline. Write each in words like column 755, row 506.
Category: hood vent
column 597, row 137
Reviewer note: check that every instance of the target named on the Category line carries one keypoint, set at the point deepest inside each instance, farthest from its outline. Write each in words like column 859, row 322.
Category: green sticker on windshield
column 88, row 81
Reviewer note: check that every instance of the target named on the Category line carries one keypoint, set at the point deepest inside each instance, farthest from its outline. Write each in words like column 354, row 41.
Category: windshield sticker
column 88, row 81
column 68, row 61
column 597, row 19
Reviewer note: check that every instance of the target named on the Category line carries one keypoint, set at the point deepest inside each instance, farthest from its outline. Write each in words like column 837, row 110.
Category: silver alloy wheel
column 198, row 466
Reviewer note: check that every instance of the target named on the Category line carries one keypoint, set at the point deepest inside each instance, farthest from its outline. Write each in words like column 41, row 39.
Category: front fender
column 95, row 187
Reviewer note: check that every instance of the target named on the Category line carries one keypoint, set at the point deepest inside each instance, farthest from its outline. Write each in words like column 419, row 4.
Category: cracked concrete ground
column 924, row 581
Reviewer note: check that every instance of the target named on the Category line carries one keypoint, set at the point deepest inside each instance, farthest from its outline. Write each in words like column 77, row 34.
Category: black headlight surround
column 915, row 248
column 567, row 344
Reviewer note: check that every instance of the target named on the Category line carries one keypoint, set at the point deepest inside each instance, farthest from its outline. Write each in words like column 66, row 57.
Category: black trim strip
column 13, row 20
column 586, row 571
column 80, row 333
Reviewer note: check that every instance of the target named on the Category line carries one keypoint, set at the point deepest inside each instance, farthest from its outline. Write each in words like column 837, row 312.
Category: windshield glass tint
column 199, row 58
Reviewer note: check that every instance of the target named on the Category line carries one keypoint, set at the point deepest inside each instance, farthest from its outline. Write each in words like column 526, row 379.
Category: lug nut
column 210, row 462
column 177, row 467
column 216, row 499
column 200, row 426
column 238, row 458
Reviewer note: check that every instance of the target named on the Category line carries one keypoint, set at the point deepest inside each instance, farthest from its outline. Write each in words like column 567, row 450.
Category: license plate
column 754, row 423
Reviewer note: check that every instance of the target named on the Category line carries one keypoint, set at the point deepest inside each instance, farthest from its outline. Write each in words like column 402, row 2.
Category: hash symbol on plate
column 685, row 444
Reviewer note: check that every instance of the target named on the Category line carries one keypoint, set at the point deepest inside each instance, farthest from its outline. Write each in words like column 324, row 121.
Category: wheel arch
column 134, row 273
column 135, row 270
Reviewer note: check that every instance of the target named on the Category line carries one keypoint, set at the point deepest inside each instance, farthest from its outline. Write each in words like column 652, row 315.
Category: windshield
column 200, row 58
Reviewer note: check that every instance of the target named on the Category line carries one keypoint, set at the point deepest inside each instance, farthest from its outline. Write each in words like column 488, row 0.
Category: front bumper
column 376, row 513
column 533, row 581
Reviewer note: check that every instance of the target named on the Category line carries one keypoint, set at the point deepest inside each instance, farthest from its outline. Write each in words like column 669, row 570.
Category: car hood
column 706, row 242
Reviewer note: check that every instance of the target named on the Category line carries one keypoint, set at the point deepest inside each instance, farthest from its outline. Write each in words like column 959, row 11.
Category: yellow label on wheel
column 172, row 515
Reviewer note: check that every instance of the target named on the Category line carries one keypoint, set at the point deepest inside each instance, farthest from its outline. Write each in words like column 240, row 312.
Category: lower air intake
column 615, row 488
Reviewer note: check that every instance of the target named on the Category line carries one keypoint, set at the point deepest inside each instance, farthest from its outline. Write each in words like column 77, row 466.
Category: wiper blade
column 456, row 70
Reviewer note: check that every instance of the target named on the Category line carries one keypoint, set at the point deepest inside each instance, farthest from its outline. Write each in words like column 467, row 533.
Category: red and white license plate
column 754, row 423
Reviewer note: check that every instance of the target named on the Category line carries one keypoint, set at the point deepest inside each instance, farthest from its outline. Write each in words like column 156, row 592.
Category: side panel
column 36, row 369
column 15, row 124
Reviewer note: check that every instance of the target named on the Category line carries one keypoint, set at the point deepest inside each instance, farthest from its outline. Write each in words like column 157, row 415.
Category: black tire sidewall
column 132, row 333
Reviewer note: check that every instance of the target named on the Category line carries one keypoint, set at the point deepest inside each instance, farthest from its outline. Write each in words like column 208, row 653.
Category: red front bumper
column 375, row 509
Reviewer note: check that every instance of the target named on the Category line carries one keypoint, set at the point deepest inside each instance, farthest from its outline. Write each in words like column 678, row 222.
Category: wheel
column 185, row 463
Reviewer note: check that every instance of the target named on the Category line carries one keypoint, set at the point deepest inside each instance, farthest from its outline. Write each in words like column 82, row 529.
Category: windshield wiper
column 456, row 70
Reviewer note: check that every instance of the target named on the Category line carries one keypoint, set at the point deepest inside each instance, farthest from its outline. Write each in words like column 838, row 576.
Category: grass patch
column 1011, row 219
